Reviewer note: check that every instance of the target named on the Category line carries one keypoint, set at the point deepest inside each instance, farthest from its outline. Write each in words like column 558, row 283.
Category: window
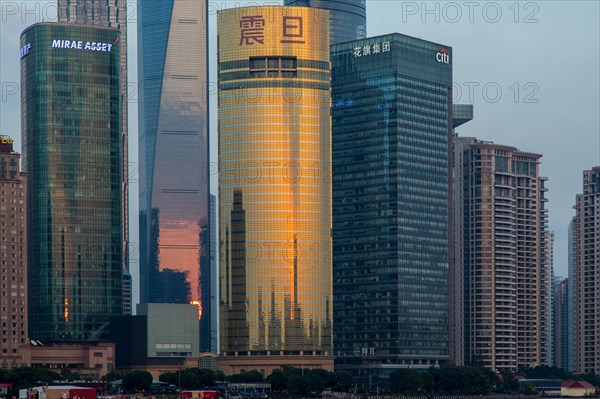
column 273, row 67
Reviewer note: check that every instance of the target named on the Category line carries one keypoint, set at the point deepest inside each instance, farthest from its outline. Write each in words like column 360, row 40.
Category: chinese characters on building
column 293, row 30
column 371, row 49
column 364, row 351
column 253, row 30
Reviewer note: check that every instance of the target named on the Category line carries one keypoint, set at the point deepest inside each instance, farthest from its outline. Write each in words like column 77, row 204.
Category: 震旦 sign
column 253, row 30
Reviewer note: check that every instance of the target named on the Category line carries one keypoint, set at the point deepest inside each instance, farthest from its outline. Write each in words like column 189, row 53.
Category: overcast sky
column 531, row 69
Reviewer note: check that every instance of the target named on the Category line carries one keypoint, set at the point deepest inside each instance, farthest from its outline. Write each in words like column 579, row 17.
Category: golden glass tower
column 275, row 187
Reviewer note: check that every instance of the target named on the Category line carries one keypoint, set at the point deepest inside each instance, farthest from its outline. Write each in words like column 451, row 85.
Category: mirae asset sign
column 80, row 45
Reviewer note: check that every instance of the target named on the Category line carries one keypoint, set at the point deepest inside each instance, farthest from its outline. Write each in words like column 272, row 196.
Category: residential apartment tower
column 13, row 256
column 499, row 207
column 586, row 274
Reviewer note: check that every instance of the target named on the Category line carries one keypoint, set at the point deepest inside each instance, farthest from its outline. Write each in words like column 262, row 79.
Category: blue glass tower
column 391, row 125
column 348, row 17
column 72, row 154
column 173, row 151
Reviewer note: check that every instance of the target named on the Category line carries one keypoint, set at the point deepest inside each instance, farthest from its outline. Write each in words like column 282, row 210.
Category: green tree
column 247, row 376
column 509, row 383
column 343, row 381
column 307, row 384
column 278, row 380
column 169, row 378
column 68, row 375
column 190, row 379
column 137, row 380
column 27, row 377
column 406, row 381
column 528, row 389
column 112, row 376
column 219, row 375
column 476, row 381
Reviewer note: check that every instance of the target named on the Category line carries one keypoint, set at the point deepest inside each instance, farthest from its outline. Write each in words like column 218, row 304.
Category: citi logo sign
column 443, row 56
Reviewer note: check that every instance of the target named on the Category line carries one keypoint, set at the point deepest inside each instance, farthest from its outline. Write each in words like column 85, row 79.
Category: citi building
column 391, row 123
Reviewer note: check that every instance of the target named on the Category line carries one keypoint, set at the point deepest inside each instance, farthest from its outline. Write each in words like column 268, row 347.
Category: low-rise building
column 89, row 359
column 577, row 389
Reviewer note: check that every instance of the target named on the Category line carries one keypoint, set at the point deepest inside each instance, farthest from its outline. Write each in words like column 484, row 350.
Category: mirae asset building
column 81, row 45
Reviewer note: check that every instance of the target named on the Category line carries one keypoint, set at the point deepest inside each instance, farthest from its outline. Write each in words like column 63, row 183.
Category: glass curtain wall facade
column 392, row 120
column 109, row 13
column 71, row 124
column 348, row 18
column 275, row 192
column 173, row 151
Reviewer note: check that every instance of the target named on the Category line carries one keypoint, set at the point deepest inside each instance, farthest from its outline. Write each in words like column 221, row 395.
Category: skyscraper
column 72, row 154
column 112, row 14
column 13, row 256
column 502, row 255
column 461, row 114
column 391, row 129
column 209, row 329
column 275, row 191
column 586, row 274
column 561, row 325
column 173, row 150
column 348, row 18
column 571, row 295
column 547, row 297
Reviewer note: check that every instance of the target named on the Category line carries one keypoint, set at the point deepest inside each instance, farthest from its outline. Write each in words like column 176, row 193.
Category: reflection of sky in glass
column 275, row 200
column 173, row 150
column 348, row 17
column 73, row 164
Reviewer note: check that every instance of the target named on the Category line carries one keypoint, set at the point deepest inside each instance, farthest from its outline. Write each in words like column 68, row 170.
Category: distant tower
column 13, row 256
column 348, row 18
column 72, row 154
column 275, row 191
column 586, row 274
column 561, row 324
column 112, row 14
